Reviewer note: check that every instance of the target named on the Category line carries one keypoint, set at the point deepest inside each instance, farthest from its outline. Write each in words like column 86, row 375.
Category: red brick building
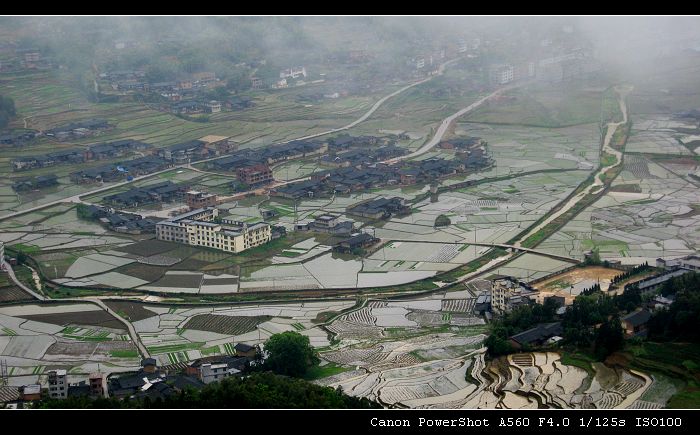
column 255, row 175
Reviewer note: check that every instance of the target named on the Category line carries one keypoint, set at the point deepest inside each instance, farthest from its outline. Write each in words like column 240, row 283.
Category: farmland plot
column 658, row 221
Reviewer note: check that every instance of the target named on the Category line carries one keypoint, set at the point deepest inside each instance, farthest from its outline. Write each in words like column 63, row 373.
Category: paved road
column 530, row 250
column 598, row 183
column 444, row 126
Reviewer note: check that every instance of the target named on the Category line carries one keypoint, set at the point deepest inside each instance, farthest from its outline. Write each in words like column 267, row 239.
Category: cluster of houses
column 17, row 138
column 165, row 191
column 26, row 59
column 34, row 183
column 77, row 130
column 269, row 155
column 92, row 152
column 118, row 221
column 136, row 81
column 380, row 208
column 73, row 155
column 352, row 178
column 150, row 381
column 118, row 171
column 183, row 95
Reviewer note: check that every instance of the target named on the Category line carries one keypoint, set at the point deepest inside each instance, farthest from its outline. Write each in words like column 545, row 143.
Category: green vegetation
column 7, row 110
column 442, row 221
column 168, row 348
column 682, row 320
column 259, row 390
column 518, row 320
column 124, row 353
column 289, row 354
column 607, row 159
column 319, row 372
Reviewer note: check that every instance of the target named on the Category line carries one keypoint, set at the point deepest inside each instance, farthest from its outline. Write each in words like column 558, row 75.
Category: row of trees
column 7, row 110
column 636, row 270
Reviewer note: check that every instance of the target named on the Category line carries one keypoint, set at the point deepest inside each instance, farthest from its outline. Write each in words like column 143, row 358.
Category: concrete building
column 255, row 175
column 502, row 74
column 198, row 228
column 508, row 293
column 197, row 199
column 58, row 384
column 213, row 372
column 98, row 385
column 294, row 72
column 212, row 106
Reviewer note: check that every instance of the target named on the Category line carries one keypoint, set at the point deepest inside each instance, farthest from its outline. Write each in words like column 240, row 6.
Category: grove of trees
column 7, row 110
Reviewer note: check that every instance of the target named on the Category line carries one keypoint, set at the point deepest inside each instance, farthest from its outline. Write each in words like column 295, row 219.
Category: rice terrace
column 481, row 216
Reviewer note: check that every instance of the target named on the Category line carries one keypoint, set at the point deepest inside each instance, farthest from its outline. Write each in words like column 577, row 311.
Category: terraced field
column 529, row 380
column 230, row 325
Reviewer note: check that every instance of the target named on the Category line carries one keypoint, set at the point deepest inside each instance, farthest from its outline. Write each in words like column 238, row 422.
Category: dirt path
column 598, row 183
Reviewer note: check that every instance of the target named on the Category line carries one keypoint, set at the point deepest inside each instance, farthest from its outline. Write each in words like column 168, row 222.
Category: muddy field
column 12, row 293
column 81, row 348
column 133, row 311
column 571, row 283
column 148, row 248
column 90, row 318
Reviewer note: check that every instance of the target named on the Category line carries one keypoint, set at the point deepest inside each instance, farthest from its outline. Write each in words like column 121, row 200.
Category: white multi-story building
column 215, row 372
column 198, row 228
column 502, row 74
column 58, row 384
column 293, row 72
column 508, row 293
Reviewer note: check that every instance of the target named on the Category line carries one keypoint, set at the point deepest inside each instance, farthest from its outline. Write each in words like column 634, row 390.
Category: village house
column 219, row 145
column 294, row 72
column 197, row 199
column 326, row 223
column 185, row 152
column 255, row 175
column 635, row 323
column 380, row 208
column 544, row 333
column 38, row 182
column 77, row 129
column 212, row 106
column 356, row 242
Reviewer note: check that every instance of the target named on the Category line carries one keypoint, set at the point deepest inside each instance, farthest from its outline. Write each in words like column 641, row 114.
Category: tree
column 289, row 353
column 442, row 221
column 609, row 338
column 7, row 110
